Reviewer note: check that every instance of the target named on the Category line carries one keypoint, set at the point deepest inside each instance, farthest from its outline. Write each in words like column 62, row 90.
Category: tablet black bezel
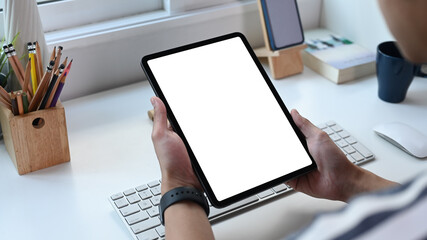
column 199, row 172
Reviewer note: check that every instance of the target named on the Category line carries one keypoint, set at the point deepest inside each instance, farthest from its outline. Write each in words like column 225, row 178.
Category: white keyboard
column 138, row 207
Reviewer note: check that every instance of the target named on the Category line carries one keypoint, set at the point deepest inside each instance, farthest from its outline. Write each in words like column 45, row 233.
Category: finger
column 306, row 127
column 160, row 119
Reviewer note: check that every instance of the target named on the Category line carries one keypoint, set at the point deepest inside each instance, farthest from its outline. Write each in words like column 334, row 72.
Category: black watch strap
column 182, row 194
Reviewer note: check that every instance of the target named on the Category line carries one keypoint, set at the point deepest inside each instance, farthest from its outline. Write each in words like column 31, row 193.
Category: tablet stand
column 284, row 62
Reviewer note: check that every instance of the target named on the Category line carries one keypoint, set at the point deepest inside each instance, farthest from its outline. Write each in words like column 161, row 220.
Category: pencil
column 17, row 63
column 15, row 110
column 61, row 85
column 58, row 59
column 33, row 67
column 39, row 59
column 4, row 95
column 12, row 62
column 5, row 104
column 53, row 54
column 42, row 88
column 36, row 63
column 27, row 87
column 49, row 90
column 19, row 101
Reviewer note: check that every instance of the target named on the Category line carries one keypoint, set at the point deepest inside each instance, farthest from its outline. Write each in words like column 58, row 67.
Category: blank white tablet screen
column 234, row 125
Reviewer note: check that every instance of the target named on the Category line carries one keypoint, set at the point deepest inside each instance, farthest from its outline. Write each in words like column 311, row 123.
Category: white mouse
column 405, row 137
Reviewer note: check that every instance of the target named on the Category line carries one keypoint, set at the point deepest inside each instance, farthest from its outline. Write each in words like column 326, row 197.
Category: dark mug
column 394, row 73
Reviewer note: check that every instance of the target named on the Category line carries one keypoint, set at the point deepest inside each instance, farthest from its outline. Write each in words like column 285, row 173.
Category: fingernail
column 153, row 102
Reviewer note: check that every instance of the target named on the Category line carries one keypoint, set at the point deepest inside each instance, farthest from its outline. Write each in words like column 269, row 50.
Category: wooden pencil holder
column 285, row 62
column 36, row 140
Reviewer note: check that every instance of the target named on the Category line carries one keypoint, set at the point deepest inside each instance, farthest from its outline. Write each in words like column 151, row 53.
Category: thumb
column 306, row 127
column 160, row 118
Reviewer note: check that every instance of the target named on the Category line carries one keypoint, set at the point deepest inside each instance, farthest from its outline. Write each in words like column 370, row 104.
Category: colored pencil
column 49, row 90
column 25, row 102
column 61, row 85
column 15, row 110
column 56, row 83
column 20, row 104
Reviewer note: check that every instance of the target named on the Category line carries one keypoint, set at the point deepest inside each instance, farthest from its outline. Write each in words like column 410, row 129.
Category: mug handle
column 420, row 73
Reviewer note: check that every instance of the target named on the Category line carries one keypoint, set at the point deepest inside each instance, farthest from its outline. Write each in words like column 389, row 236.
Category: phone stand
column 284, row 62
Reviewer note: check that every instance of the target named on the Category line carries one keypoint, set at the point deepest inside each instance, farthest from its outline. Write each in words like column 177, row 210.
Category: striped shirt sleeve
column 397, row 213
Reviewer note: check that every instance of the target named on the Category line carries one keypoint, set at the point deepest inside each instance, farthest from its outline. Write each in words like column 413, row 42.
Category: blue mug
column 394, row 73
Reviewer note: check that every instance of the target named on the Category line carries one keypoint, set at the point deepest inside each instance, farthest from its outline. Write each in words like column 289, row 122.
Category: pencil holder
column 36, row 140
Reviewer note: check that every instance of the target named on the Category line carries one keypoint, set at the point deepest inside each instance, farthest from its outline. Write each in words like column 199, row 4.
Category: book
column 336, row 58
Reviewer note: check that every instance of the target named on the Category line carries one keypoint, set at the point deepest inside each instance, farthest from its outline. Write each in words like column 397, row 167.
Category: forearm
column 187, row 220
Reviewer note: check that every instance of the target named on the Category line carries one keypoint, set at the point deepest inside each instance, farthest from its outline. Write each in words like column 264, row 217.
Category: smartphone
column 282, row 23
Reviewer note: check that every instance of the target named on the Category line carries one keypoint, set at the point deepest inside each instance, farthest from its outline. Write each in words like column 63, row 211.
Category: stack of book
column 336, row 58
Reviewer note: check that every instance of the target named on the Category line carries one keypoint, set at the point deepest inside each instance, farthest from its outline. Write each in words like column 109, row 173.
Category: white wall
column 109, row 59
column 358, row 20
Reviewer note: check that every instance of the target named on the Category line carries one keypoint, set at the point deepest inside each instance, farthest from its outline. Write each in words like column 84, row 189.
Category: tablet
column 238, row 133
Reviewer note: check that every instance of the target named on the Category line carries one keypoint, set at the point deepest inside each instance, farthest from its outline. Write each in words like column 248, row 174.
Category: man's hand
column 335, row 178
column 174, row 161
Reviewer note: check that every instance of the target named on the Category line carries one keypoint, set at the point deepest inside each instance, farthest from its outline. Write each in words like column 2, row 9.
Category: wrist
column 169, row 184
column 364, row 181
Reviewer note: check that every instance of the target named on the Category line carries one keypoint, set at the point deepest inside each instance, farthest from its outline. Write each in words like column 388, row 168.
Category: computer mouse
column 405, row 137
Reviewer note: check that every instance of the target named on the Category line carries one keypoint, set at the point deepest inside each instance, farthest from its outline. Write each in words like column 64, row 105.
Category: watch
column 182, row 194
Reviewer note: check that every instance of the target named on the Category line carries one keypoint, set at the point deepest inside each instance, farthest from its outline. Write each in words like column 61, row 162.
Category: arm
column 335, row 178
column 183, row 220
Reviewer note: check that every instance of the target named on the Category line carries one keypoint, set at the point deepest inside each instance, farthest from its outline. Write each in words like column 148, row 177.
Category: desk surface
column 111, row 150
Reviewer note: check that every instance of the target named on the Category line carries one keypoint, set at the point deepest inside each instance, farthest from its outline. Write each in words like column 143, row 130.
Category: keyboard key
column 145, row 194
column 129, row 192
column 342, row 143
column 161, row 230
column 134, row 198
column 117, row 196
column 335, row 137
column 328, row 131
column 148, row 235
column 122, row 202
column 351, row 140
column 280, row 188
column 265, row 193
column 141, row 187
column 156, row 190
column 136, row 217
column 349, row 149
column 131, row 209
column 145, row 204
column 322, row 126
column 156, row 200
column 357, row 156
column 153, row 183
column 153, row 211
column 336, row 128
column 344, row 134
column 145, row 225
column 330, row 123
column 362, row 149
column 214, row 212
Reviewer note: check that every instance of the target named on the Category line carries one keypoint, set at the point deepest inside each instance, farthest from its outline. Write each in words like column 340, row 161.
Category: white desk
column 111, row 150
